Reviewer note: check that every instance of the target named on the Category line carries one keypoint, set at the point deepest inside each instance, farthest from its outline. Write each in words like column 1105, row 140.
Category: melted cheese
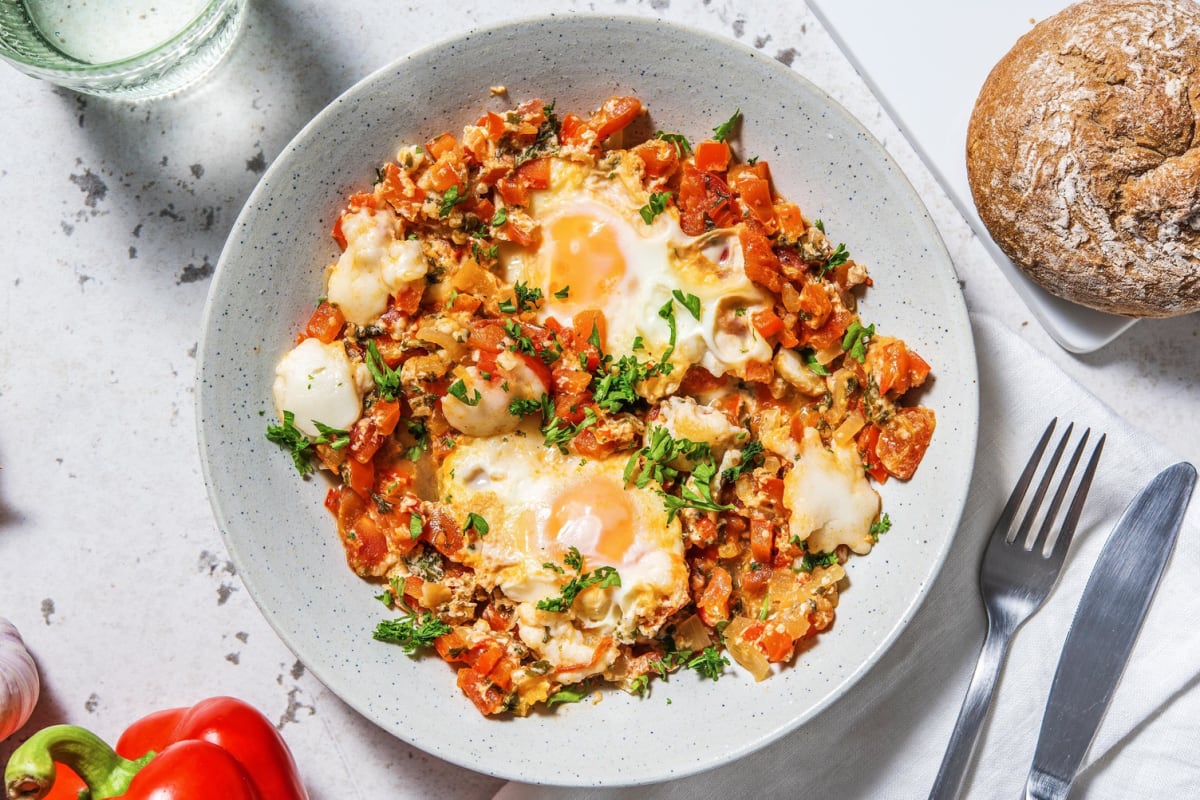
column 316, row 381
column 829, row 498
column 375, row 265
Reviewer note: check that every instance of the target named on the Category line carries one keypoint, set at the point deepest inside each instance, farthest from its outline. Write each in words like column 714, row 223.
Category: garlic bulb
column 19, row 685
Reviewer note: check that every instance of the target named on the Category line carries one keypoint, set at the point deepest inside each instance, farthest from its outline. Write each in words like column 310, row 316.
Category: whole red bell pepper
column 220, row 747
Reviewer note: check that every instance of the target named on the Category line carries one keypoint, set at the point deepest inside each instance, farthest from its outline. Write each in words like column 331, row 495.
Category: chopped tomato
column 359, row 476
column 761, row 263
column 762, row 539
column 446, row 172
column 481, row 690
column 534, row 174
column 585, row 323
column 397, row 188
column 713, row 603
column 698, row 380
column 440, row 145
column 408, row 299
column 755, row 194
column 791, row 221
column 705, row 201
column 776, row 644
column 659, row 156
column 867, row 438
column 766, row 322
column 759, row 372
column 493, row 123
column 444, row 534
column 712, row 156
column 369, row 433
column 832, row 332
column 325, row 323
column 615, row 114
column 571, row 128
column 903, row 440
column 815, row 305
column 337, row 234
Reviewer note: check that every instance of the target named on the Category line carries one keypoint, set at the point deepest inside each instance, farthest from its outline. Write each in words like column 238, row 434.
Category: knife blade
column 1110, row 613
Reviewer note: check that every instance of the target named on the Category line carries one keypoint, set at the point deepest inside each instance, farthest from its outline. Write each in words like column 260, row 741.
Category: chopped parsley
column 653, row 462
column 838, row 257
column 709, row 663
column 336, row 438
column 562, row 293
column 459, row 390
column 521, row 408
column 411, row 631
column 656, row 206
column 811, row 361
column 387, row 380
column 500, row 217
column 450, row 199
column 883, row 526
column 289, row 436
column 419, row 432
column 566, row 696
column 682, row 146
column 688, row 301
column 558, row 431
column 603, row 577
column 478, row 523
column 722, row 131
column 524, row 299
column 616, row 389
column 415, row 526
column 667, row 312
column 856, row 339
column 811, row 561
column 751, row 457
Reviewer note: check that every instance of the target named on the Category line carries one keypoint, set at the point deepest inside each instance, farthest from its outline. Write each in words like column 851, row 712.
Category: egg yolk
column 595, row 517
column 585, row 255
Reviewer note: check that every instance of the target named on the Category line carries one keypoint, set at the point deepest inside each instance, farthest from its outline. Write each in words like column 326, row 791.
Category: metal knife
column 1110, row 613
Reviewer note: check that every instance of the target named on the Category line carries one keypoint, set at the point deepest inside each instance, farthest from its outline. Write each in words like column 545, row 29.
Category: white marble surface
column 110, row 563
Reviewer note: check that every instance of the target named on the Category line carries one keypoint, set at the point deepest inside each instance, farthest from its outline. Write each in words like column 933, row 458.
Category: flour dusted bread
column 1083, row 157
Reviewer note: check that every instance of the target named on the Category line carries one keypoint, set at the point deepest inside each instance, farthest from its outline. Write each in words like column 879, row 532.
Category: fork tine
column 1042, row 541
column 1043, row 487
column 1004, row 523
column 1076, row 509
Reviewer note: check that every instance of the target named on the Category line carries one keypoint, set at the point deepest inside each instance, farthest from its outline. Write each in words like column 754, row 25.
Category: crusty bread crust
column 1083, row 158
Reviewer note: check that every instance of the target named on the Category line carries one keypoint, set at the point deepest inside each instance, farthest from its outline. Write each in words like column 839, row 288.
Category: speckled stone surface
column 113, row 568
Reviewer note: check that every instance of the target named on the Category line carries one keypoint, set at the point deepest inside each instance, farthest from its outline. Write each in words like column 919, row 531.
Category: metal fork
column 1015, row 578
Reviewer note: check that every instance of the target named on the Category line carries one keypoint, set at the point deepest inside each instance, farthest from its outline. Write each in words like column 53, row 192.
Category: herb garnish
column 387, row 380
column 883, row 526
column 478, row 523
column 722, row 131
column 450, row 199
column 856, row 339
column 289, row 436
column 459, row 390
column 656, row 206
column 682, row 146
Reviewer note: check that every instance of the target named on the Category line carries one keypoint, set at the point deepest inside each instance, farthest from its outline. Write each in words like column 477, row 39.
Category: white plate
column 283, row 541
column 931, row 98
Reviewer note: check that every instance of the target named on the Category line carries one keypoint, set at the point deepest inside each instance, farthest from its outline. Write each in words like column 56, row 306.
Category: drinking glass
column 129, row 49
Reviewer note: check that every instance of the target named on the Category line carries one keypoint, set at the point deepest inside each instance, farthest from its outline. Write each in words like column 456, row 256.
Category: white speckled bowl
column 283, row 541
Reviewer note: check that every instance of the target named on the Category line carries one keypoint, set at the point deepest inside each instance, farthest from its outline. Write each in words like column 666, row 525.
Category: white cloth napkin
column 886, row 737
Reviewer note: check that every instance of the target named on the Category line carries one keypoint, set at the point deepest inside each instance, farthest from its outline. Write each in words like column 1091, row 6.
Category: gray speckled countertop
column 113, row 568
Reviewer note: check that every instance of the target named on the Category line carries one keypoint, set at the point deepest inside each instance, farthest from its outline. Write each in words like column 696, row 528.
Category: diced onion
column 745, row 653
column 691, row 635
column 846, row 432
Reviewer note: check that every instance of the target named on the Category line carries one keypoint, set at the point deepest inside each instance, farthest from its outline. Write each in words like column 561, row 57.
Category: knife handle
column 973, row 712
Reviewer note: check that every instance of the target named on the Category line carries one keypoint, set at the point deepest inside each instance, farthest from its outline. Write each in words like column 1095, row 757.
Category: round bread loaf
column 1083, row 158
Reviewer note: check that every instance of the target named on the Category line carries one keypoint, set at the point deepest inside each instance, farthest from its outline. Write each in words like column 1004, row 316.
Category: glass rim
column 132, row 64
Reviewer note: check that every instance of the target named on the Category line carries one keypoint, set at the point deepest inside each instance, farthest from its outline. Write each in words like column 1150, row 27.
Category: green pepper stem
column 31, row 772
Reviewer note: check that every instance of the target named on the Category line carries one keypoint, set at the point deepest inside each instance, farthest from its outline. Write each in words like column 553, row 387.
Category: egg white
column 523, row 488
column 658, row 260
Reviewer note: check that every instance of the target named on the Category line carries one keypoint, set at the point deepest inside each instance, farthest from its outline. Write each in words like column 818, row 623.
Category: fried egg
column 541, row 504
column 598, row 252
